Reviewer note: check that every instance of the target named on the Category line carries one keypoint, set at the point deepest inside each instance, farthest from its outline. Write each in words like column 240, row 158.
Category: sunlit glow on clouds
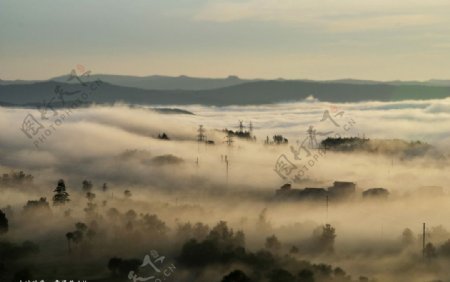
column 346, row 15
column 383, row 40
column 91, row 140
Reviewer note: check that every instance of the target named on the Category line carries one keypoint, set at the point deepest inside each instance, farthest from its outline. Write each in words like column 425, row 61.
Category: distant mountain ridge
column 158, row 82
column 182, row 82
column 248, row 93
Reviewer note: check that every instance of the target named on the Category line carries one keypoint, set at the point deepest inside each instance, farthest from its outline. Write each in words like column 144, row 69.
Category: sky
column 293, row 39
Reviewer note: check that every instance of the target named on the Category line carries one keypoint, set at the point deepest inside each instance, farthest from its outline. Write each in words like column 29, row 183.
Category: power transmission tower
column 241, row 126
column 312, row 137
column 201, row 133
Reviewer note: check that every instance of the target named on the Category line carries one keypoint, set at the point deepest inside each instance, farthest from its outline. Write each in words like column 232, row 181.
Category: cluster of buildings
column 341, row 190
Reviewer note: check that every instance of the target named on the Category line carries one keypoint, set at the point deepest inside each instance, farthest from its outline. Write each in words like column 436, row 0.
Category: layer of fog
column 117, row 145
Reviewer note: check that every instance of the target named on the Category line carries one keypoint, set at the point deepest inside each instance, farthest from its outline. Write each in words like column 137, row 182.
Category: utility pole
column 327, row 208
column 200, row 135
column 226, row 164
column 229, row 139
column 423, row 240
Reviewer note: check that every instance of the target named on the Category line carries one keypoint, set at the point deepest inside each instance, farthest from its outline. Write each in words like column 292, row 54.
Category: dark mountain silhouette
column 258, row 92
column 158, row 82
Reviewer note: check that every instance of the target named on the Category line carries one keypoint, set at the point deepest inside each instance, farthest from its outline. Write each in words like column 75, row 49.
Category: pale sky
column 314, row 39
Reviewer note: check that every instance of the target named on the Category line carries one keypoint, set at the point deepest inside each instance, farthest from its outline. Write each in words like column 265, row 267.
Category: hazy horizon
column 230, row 76
column 378, row 40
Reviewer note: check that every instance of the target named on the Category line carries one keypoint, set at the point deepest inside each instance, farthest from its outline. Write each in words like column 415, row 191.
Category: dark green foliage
column 167, row 160
column 200, row 254
column 306, row 275
column 114, row 264
column 113, row 214
column 221, row 245
column 61, row 196
column 154, row 225
column 445, row 249
column 407, row 237
column 131, row 215
column 163, row 136
column 121, row 267
column 325, row 240
column 91, row 234
column 239, row 134
column 23, row 275
column 236, row 276
column 81, row 226
column 221, row 233
column 281, row 275
column 323, row 270
column 430, row 251
column 90, row 209
column 37, row 206
column 128, row 265
column 273, row 244
column 3, row 223
column 15, row 179
column 279, row 139
column 69, row 237
column 61, row 186
column 225, row 237
column 90, row 196
column 294, row 250
column 339, row 272
column 13, row 251
column 438, row 234
column 87, row 185
column 77, row 236
column 263, row 224
column 261, row 260
column 384, row 146
column 343, row 144
column 187, row 231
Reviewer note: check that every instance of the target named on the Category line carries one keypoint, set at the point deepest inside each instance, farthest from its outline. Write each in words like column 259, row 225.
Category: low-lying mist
column 145, row 189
